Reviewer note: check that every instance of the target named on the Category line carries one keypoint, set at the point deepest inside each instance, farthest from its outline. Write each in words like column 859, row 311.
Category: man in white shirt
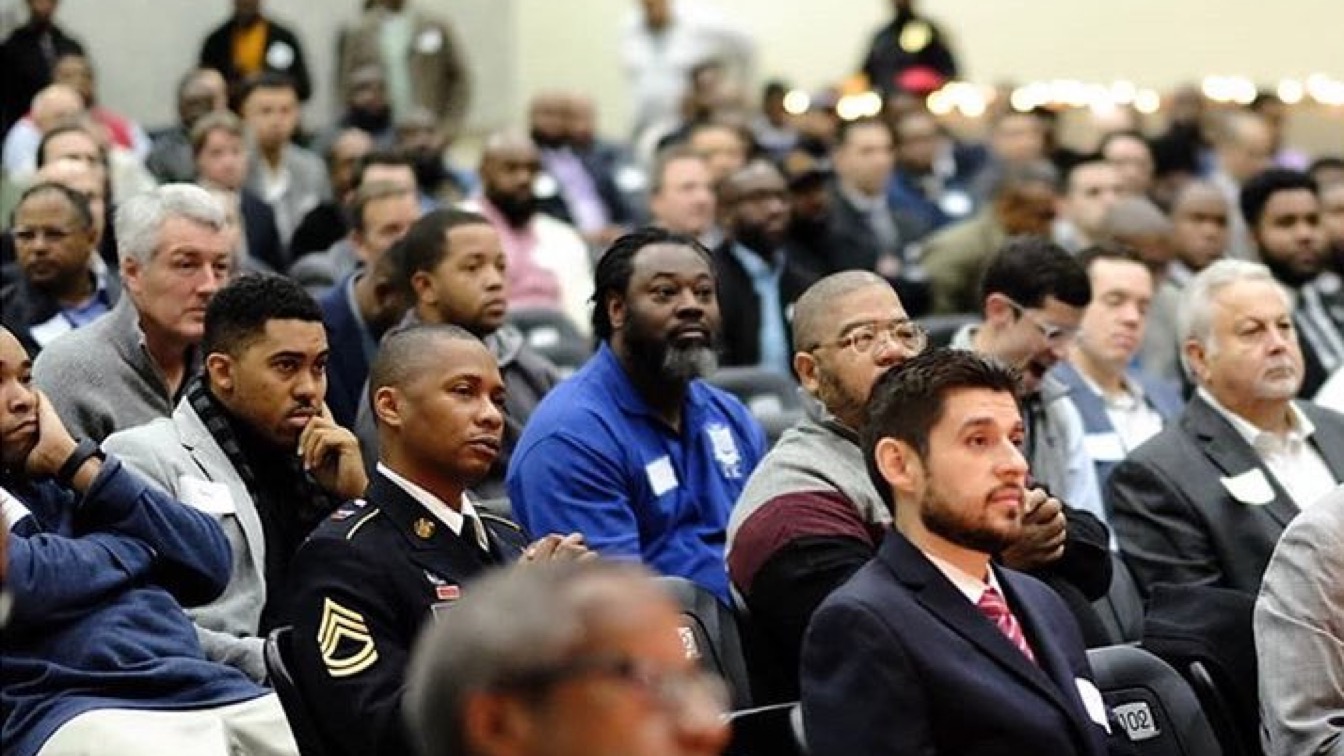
column 1121, row 407
column 1205, row 501
column 664, row 40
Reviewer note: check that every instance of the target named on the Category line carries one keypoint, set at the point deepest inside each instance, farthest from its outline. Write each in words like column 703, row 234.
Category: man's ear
column 387, row 406
column 899, row 465
column 805, row 365
column 423, row 285
column 999, row 311
column 616, row 311
column 494, row 723
column 129, row 268
column 219, row 369
column 1196, row 356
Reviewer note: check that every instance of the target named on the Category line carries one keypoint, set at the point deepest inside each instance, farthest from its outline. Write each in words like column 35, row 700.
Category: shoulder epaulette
column 360, row 523
column 484, row 515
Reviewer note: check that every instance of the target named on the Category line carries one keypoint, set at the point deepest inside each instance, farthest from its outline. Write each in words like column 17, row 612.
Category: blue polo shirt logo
column 725, row 450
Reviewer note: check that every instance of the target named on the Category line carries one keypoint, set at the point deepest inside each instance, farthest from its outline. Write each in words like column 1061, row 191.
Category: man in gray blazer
column 252, row 443
column 1299, row 635
column 291, row 179
column 1205, row 500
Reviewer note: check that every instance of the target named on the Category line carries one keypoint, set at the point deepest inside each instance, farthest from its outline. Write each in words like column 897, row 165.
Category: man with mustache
column 1032, row 295
column 1206, row 500
column 810, row 517
column 253, row 444
column 380, row 566
column 451, row 269
column 932, row 647
column 98, row 654
column 1282, row 209
column 548, row 262
column 633, row 450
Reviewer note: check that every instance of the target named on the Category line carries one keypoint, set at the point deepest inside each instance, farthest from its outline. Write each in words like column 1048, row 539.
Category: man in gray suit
column 253, row 444
column 1299, row 635
column 1205, row 500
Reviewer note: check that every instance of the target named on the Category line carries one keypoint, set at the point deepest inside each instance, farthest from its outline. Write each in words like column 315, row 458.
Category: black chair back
column 553, row 335
column 709, row 634
column 277, row 656
column 1121, row 609
column 1151, row 706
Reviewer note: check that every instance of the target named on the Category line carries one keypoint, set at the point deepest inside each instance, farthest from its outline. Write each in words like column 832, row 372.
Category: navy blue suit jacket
column 347, row 367
column 897, row 661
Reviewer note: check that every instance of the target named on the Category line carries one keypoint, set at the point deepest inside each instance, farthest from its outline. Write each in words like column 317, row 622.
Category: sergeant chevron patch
column 344, row 639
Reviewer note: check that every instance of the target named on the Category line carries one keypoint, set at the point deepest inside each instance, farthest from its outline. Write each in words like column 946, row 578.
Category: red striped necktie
column 995, row 608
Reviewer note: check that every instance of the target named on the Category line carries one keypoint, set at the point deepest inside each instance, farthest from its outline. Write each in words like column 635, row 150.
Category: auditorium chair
column 709, row 634
column 278, row 668
column 553, row 335
column 1151, row 706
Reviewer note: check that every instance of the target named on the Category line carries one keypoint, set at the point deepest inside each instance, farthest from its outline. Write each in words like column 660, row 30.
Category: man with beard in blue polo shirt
column 633, row 451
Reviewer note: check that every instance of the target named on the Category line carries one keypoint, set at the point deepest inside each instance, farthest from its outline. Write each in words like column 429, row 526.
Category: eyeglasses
column 865, row 336
column 677, row 692
column 27, row 235
column 1055, row 334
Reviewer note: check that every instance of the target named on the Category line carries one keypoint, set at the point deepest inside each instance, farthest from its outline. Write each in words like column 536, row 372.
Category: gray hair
column 140, row 219
column 512, row 622
column 1194, row 318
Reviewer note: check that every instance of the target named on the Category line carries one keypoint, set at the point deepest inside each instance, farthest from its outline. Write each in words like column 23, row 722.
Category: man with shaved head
column 52, row 106
column 573, row 189
column 381, row 566
column 548, row 262
column 1243, row 146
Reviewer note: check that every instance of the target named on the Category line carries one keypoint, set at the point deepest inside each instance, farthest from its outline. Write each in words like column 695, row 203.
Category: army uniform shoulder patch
column 345, row 641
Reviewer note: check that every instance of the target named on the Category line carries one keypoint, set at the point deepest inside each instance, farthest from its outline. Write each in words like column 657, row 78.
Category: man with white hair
column 1205, row 500
column 127, row 368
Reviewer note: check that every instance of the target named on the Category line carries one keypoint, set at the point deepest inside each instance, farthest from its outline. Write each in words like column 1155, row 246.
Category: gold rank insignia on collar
column 423, row 528
column 345, row 641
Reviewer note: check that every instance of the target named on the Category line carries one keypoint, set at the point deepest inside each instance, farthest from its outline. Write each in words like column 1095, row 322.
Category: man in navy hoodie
column 97, row 648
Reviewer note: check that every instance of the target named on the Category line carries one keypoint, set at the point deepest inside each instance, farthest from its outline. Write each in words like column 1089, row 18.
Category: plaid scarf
column 313, row 503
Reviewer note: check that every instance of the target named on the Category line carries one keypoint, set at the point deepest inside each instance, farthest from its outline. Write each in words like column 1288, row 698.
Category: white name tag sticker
column 206, row 495
column 1250, row 487
column 662, row 478
column 1104, row 447
column 1096, row 708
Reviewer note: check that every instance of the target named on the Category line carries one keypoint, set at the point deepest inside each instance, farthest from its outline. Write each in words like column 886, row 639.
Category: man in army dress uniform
column 370, row 576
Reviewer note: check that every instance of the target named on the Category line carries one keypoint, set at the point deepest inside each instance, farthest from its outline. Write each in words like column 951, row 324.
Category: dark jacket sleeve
column 1086, row 563
column 350, row 652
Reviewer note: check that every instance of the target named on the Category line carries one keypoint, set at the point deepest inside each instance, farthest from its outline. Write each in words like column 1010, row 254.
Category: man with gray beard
column 633, row 451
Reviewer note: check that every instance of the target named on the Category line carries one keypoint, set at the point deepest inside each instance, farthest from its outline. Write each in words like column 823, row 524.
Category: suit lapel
column 1328, row 438
column 1049, row 656
column 942, row 599
column 1233, row 456
column 214, row 464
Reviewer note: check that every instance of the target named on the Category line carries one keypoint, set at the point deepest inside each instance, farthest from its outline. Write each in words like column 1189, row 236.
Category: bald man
column 52, row 106
column 1243, row 146
column 1199, row 218
column 549, row 266
column 381, row 566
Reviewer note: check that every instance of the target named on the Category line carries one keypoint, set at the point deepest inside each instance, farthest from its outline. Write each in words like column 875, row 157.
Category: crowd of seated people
column 284, row 392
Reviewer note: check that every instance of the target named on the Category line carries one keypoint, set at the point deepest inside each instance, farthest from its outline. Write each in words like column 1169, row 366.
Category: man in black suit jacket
column 280, row 49
column 931, row 647
column 757, row 280
column 1206, row 500
column 865, row 233
column 369, row 577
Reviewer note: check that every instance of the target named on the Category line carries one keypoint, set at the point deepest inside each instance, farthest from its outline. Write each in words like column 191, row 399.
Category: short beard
column 670, row 363
column 942, row 520
column 517, row 212
column 685, row 364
